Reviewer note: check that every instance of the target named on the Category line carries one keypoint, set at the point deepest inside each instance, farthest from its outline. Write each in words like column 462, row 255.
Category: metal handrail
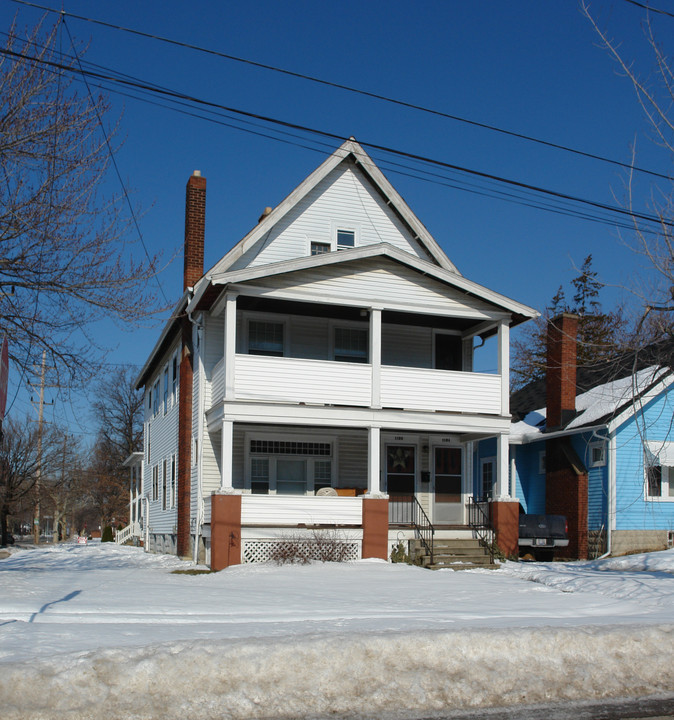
column 406, row 510
column 480, row 522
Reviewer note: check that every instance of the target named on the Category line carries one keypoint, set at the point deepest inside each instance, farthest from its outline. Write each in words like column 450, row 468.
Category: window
column 149, row 400
column 259, row 476
column 175, row 375
column 320, row 248
column 541, row 462
column 346, row 239
column 155, row 398
column 155, row 483
column 265, row 338
column 659, row 467
column 166, row 389
column 487, row 477
column 172, row 492
column 322, row 474
column 351, row 345
column 164, row 487
column 289, row 467
column 448, row 352
column 597, row 454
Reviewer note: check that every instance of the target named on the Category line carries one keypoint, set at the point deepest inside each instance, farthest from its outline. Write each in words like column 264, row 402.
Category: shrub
column 322, row 545
column 107, row 534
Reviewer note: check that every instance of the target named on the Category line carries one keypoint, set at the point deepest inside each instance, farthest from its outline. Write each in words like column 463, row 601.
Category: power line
column 358, row 91
column 649, row 8
column 113, row 159
column 175, row 95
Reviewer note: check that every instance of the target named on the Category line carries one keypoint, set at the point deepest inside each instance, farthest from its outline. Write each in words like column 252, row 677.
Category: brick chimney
column 560, row 376
column 195, row 223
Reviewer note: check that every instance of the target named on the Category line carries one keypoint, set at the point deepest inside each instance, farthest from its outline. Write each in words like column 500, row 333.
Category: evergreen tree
column 600, row 334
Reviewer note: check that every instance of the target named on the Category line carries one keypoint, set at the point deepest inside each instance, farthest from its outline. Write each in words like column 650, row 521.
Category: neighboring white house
column 332, row 347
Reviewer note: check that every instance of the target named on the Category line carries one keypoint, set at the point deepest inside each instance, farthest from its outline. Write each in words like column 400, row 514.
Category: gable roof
column 349, row 152
column 606, row 395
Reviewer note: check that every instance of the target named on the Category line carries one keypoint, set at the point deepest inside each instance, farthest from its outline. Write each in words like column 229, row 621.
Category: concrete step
column 462, row 566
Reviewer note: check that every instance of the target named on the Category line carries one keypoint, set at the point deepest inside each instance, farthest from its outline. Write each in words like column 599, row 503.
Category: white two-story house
column 325, row 361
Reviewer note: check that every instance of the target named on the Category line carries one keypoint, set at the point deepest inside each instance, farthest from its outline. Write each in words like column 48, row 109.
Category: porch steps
column 453, row 554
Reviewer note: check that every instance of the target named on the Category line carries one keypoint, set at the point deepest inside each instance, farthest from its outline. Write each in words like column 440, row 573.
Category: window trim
column 337, row 227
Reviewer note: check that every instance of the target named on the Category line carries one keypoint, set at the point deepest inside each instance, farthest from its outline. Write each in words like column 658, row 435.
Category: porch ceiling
column 342, row 312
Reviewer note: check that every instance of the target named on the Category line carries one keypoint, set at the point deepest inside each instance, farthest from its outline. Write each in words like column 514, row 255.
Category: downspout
column 199, row 520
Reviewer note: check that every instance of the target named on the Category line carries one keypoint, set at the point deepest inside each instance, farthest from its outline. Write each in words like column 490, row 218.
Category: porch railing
column 480, row 522
column 406, row 510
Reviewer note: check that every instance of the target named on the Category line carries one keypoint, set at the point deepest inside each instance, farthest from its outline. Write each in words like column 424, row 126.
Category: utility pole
column 38, row 471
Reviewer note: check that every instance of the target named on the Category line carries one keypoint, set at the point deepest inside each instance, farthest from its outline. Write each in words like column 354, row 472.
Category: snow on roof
column 599, row 402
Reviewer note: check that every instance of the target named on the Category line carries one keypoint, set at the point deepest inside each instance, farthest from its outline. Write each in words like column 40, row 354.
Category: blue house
column 597, row 445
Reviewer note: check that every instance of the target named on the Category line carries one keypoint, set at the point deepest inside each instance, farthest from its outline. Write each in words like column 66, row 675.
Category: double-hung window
column 155, row 398
column 265, row 338
column 351, row 345
column 155, row 483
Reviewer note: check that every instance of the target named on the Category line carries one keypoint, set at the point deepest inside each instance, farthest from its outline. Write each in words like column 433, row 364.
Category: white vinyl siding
column 162, row 438
column 395, row 287
column 343, row 199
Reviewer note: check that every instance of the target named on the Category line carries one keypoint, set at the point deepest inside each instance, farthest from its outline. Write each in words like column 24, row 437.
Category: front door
column 400, row 482
column 447, row 474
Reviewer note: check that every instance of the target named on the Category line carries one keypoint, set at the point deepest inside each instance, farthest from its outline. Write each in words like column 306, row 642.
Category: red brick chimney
column 195, row 224
column 560, row 376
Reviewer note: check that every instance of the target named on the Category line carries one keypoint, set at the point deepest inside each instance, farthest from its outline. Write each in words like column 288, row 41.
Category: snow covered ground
column 104, row 631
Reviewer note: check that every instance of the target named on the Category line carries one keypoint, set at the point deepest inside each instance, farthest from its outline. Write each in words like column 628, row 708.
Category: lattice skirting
column 260, row 551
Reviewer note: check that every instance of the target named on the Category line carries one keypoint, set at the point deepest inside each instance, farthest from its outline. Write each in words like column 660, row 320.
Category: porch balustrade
column 325, row 382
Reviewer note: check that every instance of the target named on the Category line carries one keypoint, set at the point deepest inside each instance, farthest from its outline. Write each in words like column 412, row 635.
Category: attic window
column 346, row 239
column 320, row 248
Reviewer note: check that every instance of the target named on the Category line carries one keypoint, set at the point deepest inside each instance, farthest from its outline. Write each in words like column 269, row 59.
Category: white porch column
column 375, row 355
column 226, row 483
column 502, row 489
column 504, row 365
column 230, row 344
column 373, row 461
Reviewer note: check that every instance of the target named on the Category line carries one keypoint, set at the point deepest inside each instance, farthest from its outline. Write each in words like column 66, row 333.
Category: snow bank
column 102, row 631
column 363, row 676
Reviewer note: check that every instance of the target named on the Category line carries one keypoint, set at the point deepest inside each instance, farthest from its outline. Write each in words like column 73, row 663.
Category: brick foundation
column 375, row 528
column 225, row 531
column 505, row 521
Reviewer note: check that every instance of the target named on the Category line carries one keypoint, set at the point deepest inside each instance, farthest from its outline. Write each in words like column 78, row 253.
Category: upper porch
column 258, row 350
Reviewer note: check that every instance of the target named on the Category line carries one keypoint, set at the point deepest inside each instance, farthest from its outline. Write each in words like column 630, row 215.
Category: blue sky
column 529, row 67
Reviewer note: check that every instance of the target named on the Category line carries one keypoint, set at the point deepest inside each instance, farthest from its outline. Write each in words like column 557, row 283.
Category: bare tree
column 118, row 415
column 655, row 95
column 66, row 259
column 21, row 464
